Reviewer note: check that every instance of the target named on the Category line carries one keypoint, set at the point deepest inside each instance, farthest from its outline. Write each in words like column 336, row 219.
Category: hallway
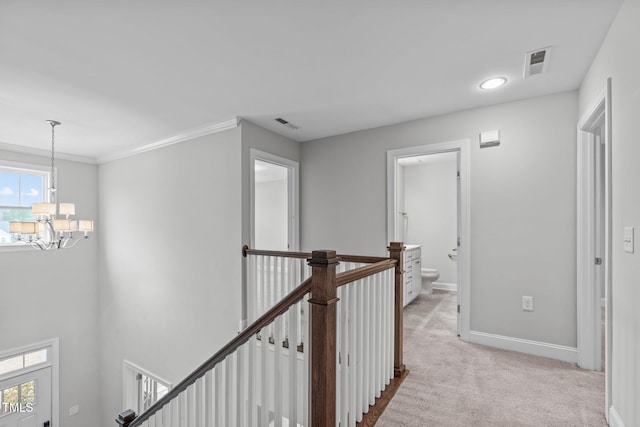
column 452, row 383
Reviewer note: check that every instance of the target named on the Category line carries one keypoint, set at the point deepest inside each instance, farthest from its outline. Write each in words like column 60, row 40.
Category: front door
column 25, row 399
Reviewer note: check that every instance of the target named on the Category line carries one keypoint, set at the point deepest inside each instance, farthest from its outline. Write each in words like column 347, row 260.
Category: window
column 21, row 185
column 17, row 397
column 24, row 360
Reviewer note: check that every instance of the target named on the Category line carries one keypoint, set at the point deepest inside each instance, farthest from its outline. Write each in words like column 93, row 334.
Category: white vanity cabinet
column 412, row 272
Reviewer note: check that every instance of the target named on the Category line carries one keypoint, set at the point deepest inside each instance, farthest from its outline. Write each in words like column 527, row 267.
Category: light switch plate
column 628, row 239
column 74, row 410
column 527, row 303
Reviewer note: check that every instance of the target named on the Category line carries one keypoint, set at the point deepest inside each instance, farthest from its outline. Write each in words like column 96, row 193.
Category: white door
column 26, row 399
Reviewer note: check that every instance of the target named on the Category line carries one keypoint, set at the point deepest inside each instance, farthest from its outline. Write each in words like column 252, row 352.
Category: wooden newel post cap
column 125, row 418
column 322, row 258
column 396, row 246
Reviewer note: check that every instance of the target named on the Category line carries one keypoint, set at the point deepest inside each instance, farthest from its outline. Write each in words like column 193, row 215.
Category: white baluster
column 252, row 386
column 372, row 342
column 209, row 395
column 277, row 371
column 351, row 309
column 293, row 365
column 307, row 361
column 345, row 352
column 230, row 384
column 360, row 349
column 166, row 415
column 241, row 389
column 264, row 380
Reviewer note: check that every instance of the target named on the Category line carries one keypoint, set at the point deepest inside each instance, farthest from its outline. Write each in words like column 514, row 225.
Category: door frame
column 464, row 232
column 588, row 296
column 53, row 345
column 293, row 184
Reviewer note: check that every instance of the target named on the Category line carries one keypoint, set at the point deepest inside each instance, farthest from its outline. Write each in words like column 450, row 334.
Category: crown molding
column 176, row 139
column 46, row 153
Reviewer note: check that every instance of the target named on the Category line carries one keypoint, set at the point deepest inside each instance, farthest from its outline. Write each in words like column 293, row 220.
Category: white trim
column 444, row 286
column 588, row 297
column 175, row 139
column 615, row 420
column 464, row 251
column 293, row 179
column 147, row 373
column 46, row 153
column 537, row 348
column 45, row 170
column 53, row 362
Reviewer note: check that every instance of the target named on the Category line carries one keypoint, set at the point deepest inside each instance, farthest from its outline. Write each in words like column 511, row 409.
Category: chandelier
column 53, row 228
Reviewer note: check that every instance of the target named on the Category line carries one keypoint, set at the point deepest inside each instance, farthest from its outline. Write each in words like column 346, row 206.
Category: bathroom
column 427, row 218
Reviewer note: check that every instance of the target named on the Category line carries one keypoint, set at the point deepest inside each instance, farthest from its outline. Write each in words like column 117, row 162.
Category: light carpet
column 452, row 383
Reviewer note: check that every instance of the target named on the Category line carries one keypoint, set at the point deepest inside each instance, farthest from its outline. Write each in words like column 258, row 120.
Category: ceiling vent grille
column 536, row 61
column 286, row 123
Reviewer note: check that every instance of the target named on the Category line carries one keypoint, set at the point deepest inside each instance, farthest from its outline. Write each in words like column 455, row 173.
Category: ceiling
column 124, row 74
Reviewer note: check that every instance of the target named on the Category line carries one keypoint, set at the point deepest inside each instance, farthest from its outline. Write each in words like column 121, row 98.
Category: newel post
column 323, row 337
column 125, row 418
column 396, row 251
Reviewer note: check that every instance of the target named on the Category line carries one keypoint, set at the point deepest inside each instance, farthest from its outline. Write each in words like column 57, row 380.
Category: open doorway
column 415, row 177
column 428, row 215
column 594, row 239
column 274, row 202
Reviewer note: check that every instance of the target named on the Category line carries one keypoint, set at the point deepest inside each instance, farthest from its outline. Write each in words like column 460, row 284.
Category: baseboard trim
column 614, row 418
column 536, row 348
column 444, row 286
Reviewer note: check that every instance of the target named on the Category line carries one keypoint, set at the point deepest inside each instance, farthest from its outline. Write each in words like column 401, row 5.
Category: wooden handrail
column 285, row 254
column 294, row 296
column 362, row 272
column 306, row 255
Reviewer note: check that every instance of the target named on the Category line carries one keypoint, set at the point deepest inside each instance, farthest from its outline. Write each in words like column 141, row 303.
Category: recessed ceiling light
column 493, row 83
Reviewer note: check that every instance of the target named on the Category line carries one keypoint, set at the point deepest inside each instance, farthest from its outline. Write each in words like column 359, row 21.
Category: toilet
column 429, row 275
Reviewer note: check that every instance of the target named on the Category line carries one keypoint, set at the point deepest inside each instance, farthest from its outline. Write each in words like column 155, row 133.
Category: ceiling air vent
column 286, row 123
column 536, row 61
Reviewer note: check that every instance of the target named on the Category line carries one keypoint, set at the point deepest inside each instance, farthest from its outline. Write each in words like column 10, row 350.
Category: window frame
column 36, row 169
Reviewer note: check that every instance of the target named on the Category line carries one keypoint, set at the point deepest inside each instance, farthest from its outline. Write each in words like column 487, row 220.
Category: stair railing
column 338, row 365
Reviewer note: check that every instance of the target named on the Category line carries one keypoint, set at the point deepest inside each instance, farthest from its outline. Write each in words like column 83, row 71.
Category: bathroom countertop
column 409, row 247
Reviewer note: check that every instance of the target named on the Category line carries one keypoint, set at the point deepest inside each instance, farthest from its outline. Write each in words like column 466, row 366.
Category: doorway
column 274, row 202
column 403, row 225
column 29, row 385
column 594, row 239
column 427, row 213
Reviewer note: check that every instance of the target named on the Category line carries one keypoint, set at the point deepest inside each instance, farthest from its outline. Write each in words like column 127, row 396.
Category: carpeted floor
column 452, row 383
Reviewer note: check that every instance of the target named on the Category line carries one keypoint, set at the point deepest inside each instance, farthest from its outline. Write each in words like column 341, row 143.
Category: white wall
column 271, row 203
column 53, row 294
column 523, row 196
column 431, row 202
column 618, row 59
column 170, row 259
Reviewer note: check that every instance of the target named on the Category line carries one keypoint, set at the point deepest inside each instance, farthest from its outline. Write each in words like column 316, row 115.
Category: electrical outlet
column 527, row 303
column 74, row 410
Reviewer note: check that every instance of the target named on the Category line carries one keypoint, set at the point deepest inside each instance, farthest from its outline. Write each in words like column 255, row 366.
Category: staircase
column 323, row 347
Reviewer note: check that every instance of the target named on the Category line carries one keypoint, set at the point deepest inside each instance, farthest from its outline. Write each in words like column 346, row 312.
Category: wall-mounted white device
column 628, row 239
column 490, row 138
